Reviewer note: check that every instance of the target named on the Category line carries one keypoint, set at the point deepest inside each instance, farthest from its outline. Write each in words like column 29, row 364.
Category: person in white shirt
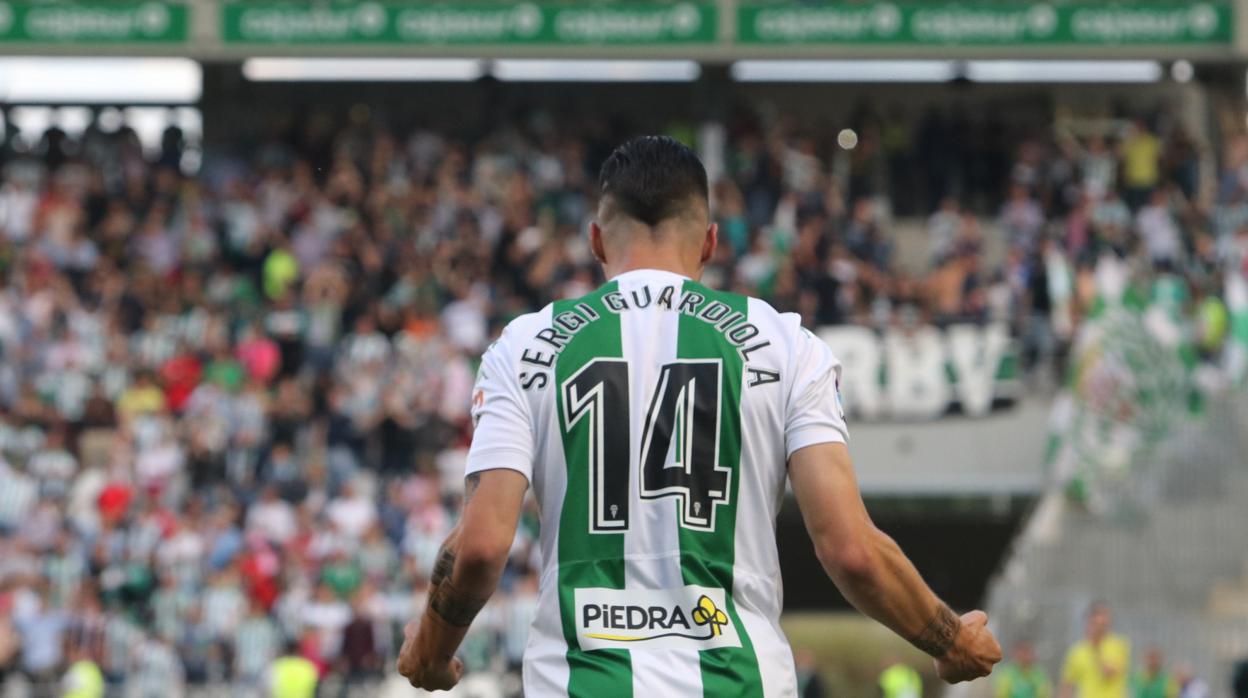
column 352, row 513
column 272, row 517
column 1158, row 229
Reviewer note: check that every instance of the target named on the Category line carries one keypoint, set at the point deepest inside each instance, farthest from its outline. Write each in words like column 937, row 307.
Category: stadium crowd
column 234, row 403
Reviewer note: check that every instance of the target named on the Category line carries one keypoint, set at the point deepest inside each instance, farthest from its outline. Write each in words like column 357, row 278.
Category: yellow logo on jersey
column 706, row 613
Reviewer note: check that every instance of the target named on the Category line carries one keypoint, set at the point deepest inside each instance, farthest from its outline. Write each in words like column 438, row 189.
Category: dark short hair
column 653, row 179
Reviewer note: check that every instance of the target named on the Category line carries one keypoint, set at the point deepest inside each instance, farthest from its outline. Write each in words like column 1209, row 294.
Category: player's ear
column 596, row 244
column 710, row 243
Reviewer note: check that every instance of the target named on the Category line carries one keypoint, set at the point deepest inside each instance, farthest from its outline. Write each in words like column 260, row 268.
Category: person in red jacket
column 259, row 566
column 179, row 376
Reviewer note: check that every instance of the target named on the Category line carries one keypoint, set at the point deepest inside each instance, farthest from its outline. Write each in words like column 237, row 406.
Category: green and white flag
column 1130, row 383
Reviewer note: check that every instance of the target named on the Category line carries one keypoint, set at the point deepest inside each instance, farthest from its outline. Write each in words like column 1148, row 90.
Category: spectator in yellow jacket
column 1096, row 667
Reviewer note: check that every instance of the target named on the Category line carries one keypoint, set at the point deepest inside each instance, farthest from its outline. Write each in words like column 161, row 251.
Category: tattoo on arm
column 445, row 600
column 443, row 567
column 452, row 606
column 937, row 637
column 471, row 483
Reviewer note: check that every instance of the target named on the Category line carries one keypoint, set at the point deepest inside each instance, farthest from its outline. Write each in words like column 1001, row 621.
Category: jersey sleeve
column 813, row 413
column 503, row 437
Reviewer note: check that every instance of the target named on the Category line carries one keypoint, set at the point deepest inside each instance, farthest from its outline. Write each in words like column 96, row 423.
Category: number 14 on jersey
column 679, row 452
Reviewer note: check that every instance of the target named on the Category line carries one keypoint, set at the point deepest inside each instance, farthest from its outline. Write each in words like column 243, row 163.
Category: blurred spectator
column 1190, row 686
column 900, row 680
column 291, row 676
column 359, row 645
column 809, row 684
column 1141, row 163
column 1022, row 218
column 1100, row 168
column 942, row 229
column 1153, row 680
column 42, row 630
column 1021, row 677
column 1158, row 230
column 1097, row 666
column 156, row 670
column 17, row 496
column 272, row 518
column 257, row 641
column 83, row 679
column 351, row 512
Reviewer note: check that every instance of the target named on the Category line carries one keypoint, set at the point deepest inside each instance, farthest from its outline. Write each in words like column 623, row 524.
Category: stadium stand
column 234, row 399
column 1163, row 561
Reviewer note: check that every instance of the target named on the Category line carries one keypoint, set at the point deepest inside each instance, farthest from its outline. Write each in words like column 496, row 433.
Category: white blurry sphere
column 1182, row 71
column 847, row 139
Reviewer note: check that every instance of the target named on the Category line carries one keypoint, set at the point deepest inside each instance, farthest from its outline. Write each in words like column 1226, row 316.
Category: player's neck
column 657, row 259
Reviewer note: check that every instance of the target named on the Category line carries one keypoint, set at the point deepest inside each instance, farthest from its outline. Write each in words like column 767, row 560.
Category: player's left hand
column 428, row 673
column 973, row 653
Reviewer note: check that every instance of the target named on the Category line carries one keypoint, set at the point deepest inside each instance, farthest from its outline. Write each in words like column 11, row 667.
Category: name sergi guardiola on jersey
column 742, row 335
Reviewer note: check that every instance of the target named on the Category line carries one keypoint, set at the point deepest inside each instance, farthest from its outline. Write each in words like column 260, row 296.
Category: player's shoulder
column 528, row 322
column 518, row 330
column 798, row 342
column 785, row 326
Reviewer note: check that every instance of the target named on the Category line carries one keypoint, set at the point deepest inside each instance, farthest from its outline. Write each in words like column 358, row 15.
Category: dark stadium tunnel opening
column 933, row 532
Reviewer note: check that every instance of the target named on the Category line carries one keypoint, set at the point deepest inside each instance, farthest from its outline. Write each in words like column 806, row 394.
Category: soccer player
column 657, row 421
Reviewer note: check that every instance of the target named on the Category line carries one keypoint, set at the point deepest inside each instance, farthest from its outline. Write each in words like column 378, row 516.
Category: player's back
column 654, row 418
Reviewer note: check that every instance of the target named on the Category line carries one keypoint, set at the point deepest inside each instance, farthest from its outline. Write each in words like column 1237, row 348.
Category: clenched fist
column 973, row 653
column 429, row 673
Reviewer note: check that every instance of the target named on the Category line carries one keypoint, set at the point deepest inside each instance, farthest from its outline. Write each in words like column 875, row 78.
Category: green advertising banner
column 259, row 22
column 94, row 22
column 968, row 23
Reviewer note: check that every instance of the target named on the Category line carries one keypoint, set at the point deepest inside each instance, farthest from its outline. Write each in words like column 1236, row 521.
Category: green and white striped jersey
column 654, row 418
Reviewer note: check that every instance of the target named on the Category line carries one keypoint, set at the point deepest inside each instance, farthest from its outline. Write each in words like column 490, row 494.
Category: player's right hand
column 973, row 653
column 426, row 672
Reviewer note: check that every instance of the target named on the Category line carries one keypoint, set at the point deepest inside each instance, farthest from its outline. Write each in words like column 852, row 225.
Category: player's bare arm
column 875, row 575
column 464, row 578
